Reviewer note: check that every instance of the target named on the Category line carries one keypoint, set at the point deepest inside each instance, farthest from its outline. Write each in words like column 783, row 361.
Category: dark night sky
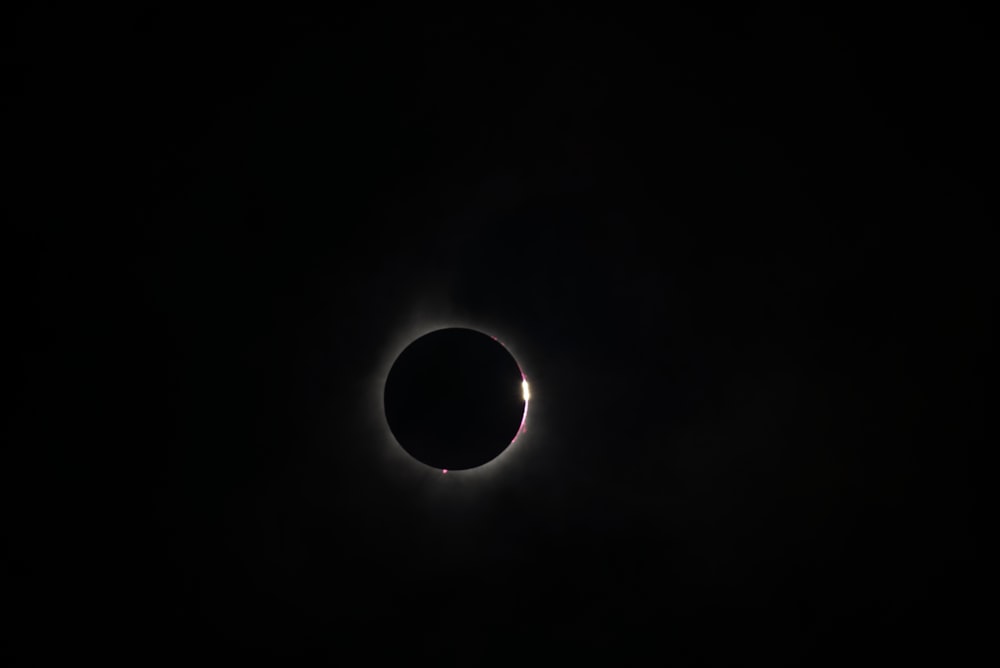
column 741, row 256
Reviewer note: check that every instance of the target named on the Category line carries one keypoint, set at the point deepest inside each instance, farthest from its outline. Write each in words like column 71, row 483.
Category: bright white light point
column 524, row 390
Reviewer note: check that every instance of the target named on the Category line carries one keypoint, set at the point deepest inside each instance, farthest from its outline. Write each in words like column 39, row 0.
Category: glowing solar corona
column 392, row 453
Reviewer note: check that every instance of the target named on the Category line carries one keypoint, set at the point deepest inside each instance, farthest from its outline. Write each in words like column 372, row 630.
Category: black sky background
column 743, row 253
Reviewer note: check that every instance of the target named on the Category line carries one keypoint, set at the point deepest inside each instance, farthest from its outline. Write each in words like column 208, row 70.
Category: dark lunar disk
column 453, row 399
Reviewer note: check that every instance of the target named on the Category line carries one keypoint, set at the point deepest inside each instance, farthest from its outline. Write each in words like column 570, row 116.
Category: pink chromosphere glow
column 444, row 470
column 527, row 396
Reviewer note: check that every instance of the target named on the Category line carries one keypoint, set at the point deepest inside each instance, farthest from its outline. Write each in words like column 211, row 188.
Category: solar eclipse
column 455, row 399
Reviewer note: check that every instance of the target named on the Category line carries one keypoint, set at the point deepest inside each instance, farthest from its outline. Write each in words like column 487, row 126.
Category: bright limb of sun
column 526, row 394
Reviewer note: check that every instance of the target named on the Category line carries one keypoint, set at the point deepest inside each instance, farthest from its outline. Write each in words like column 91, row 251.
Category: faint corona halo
column 455, row 399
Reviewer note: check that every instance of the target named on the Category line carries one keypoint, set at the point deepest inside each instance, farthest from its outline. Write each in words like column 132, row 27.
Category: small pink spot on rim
column 444, row 470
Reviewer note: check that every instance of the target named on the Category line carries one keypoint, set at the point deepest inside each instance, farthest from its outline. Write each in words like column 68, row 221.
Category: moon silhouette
column 455, row 399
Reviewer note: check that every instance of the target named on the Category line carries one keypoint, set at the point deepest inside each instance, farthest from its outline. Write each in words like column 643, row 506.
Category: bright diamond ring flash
column 524, row 390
